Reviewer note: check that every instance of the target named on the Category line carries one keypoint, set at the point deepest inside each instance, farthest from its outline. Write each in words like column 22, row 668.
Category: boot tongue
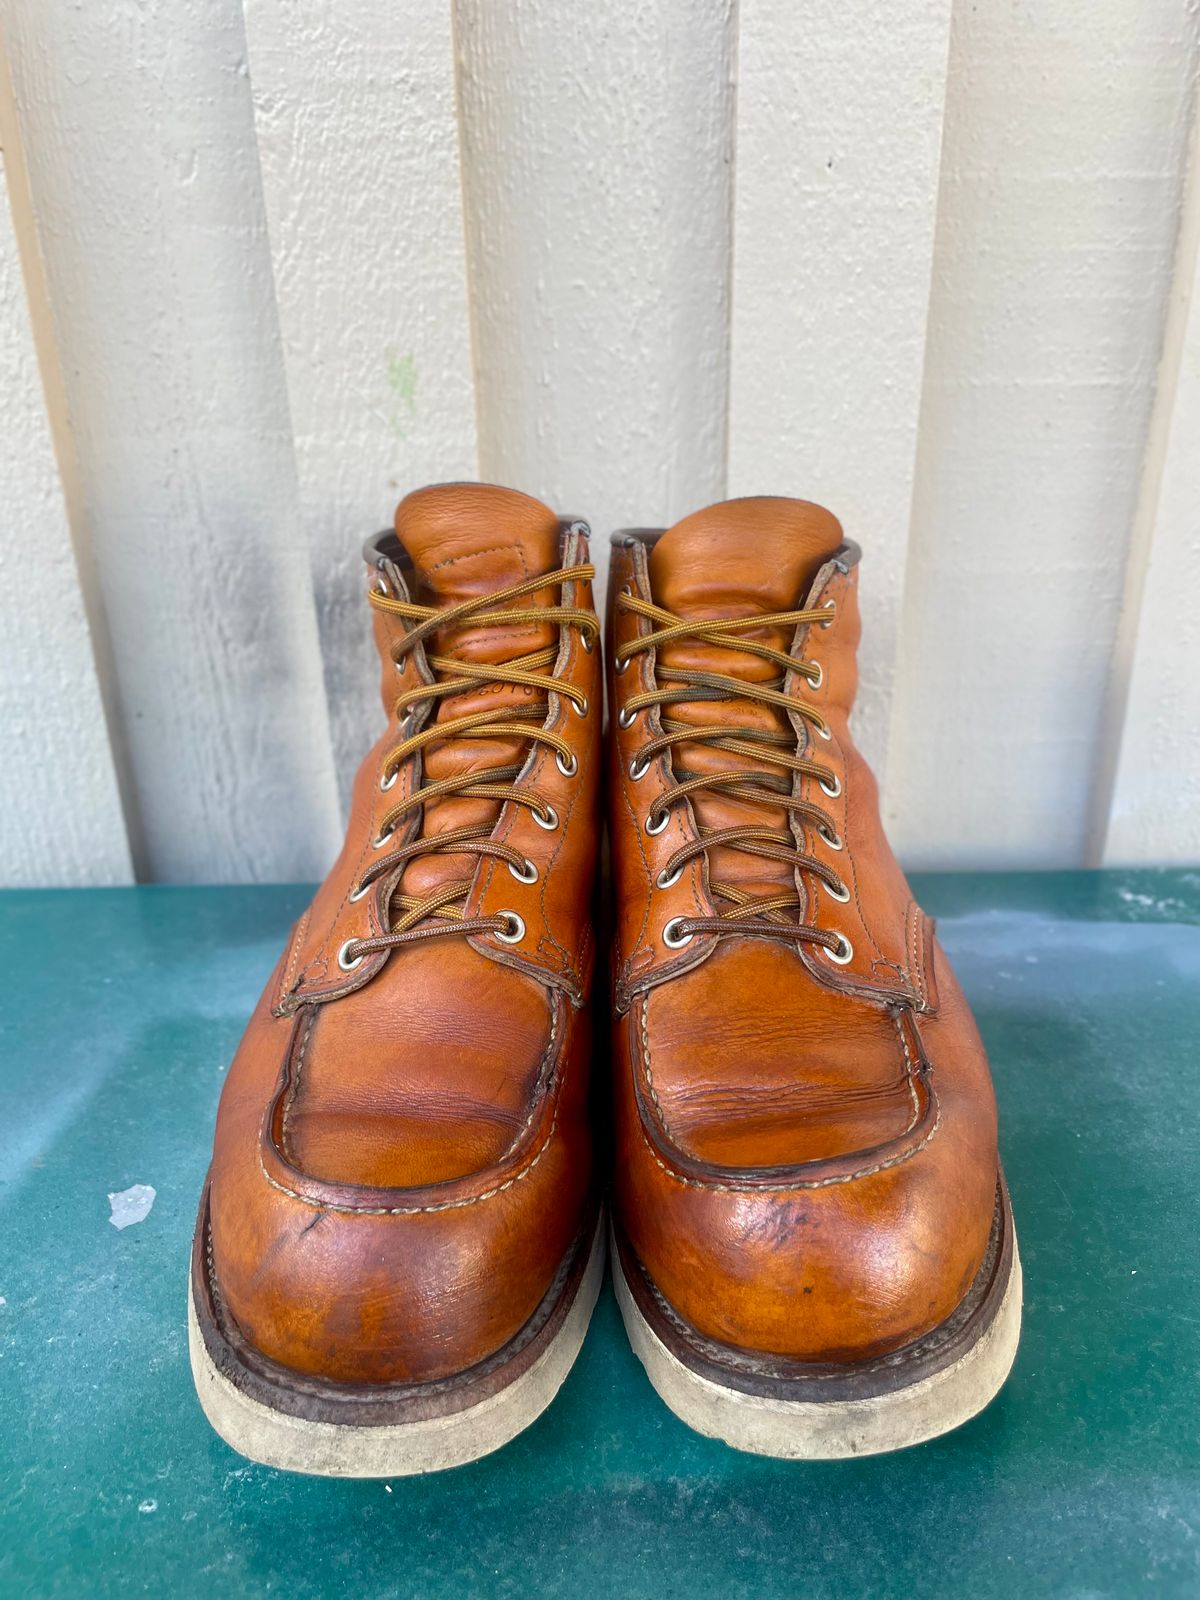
column 732, row 560
column 759, row 554
column 468, row 540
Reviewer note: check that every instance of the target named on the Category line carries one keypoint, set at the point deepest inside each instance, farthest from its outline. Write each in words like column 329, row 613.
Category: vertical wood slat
column 1064, row 142
column 63, row 823
column 1149, row 810
column 138, row 131
column 838, row 127
column 358, row 137
column 597, row 146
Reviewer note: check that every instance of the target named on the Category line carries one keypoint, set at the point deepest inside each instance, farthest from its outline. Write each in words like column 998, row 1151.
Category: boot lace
column 416, row 917
column 777, row 914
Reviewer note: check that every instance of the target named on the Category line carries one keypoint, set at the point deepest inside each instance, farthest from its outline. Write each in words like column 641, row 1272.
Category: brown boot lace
column 435, row 915
column 775, row 915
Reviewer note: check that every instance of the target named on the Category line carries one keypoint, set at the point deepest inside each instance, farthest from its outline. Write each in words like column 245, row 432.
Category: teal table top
column 119, row 1012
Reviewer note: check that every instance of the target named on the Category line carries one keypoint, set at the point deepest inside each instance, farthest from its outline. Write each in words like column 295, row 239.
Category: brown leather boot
column 397, row 1251
column 815, row 1249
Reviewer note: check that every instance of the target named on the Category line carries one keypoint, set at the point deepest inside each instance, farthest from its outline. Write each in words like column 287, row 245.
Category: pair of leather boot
column 402, row 1233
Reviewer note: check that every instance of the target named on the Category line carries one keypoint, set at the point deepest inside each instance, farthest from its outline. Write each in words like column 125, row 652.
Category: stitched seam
column 565, row 966
column 294, row 957
column 645, row 1032
column 441, row 1205
column 799, row 1184
column 916, row 965
column 530, row 630
column 318, row 967
column 913, row 1067
column 285, row 1129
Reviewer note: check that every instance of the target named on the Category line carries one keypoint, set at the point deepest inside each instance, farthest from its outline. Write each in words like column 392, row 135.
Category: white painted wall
column 597, row 144
column 838, row 132
column 139, row 140
column 63, row 822
column 281, row 264
column 1152, row 810
column 358, row 138
column 1064, row 148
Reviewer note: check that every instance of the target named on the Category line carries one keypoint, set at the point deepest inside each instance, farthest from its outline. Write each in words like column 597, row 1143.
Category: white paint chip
column 131, row 1205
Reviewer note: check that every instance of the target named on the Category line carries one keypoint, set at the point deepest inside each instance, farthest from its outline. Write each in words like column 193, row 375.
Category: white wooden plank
column 839, row 120
column 597, row 143
column 1065, row 136
column 1154, row 814
column 63, row 822
column 138, row 131
column 358, row 136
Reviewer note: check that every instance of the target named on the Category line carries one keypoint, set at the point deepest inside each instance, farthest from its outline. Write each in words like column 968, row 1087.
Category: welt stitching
column 441, row 1205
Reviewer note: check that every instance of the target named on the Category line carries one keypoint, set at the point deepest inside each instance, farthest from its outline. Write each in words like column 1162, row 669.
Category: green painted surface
column 120, row 1010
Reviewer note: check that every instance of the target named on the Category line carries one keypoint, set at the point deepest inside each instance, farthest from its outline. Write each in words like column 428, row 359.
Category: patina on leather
column 402, row 1160
column 806, row 1155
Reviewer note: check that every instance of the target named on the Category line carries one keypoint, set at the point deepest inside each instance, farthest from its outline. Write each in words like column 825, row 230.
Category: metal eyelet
column 348, row 963
column 674, row 940
column 831, row 607
column 666, row 880
column 549, row 822
column 384, row 838
column 567, row 772
column 823, row 731
column 516, row 925
column 833, row 791
column 587, row 640
column 651, row 829
column 382, row 588
column 580, row 711
column 638, row 769
column 389, row 783
column 815, row 683
column 833, row 840
column 360, row 893
column 834, row 895
column 619, row 666
column 844, row 953
column 626, row 718
column 526, row 874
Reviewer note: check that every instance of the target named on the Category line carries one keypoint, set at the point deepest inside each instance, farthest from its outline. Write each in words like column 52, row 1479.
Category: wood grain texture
column 839, row 118
column 597, row 145
column 139, row 138
column 358, row 136
column 1064, row 143
column 1150, row 812
column 61, row 809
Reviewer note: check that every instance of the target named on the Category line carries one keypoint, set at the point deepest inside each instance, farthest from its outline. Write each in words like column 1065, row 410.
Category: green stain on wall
column 401, row 374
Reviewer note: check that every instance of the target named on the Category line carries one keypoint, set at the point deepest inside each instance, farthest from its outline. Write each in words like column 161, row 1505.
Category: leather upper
column 806, row 1148
column 402, row 1158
